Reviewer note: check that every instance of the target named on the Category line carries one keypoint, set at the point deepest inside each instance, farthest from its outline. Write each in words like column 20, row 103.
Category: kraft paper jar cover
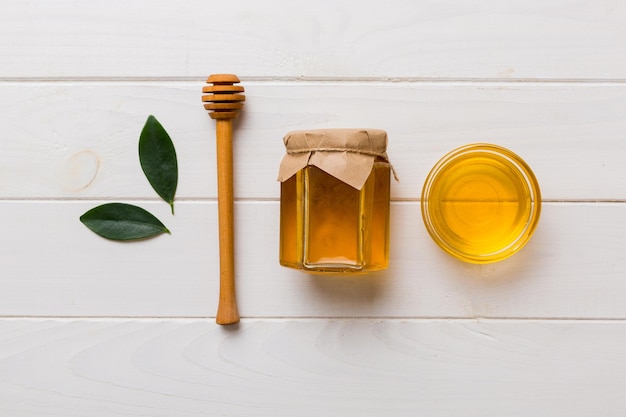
column 346, row 154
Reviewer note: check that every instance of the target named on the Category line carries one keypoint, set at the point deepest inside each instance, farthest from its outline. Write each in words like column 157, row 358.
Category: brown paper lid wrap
column 346, row 154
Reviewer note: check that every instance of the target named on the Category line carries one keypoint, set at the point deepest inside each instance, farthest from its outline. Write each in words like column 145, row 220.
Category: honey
column 481, row 203
column 330, row 226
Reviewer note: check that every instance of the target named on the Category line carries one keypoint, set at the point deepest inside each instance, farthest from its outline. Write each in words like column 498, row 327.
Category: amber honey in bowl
column 481, row 203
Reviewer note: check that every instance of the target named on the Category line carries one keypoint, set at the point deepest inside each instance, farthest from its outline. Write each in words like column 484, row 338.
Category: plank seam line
column 246, row 200
column 313, row 79
column 317, row 318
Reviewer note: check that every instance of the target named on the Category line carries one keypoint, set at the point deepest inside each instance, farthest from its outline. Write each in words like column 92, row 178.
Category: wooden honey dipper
column 224, row 102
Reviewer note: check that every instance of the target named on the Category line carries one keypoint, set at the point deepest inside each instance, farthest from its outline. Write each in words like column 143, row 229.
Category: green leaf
column 119, row 221
column 158, row 160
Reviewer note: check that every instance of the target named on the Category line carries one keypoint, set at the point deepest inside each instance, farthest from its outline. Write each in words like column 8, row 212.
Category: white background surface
column 96, row 328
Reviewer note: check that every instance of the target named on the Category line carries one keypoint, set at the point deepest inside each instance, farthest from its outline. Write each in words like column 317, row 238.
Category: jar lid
column 346, row 154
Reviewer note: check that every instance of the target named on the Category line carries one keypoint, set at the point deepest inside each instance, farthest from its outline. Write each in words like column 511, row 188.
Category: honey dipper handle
column 227, row 308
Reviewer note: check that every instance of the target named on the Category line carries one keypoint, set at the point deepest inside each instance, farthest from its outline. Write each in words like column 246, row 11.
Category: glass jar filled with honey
column 334, row 202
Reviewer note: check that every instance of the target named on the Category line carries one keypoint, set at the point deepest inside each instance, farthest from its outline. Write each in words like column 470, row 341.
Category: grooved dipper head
column 224, row 100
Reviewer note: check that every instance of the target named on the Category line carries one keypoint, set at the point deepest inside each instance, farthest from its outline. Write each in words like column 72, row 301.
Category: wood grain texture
column 540, row 334
column 574, row 267
column 79, row 140
column 227, row 312
column 61, row 368
column 546, row 39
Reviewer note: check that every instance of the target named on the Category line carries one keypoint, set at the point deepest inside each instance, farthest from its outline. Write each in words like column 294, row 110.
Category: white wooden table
column 93, row 328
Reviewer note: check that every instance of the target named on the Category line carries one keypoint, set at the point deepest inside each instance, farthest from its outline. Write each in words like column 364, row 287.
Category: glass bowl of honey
column 481, row 203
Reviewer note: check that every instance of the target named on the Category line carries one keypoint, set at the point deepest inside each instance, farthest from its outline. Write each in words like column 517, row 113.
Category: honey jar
column 334, row 201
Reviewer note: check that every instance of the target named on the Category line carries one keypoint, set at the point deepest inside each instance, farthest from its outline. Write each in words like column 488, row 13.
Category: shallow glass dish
column 481, row 203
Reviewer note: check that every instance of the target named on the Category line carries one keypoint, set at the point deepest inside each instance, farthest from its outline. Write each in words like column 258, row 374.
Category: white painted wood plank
column 79, row 140
column 327, row 38
column 574, row 267
column 77, row 81
column 61, row 368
